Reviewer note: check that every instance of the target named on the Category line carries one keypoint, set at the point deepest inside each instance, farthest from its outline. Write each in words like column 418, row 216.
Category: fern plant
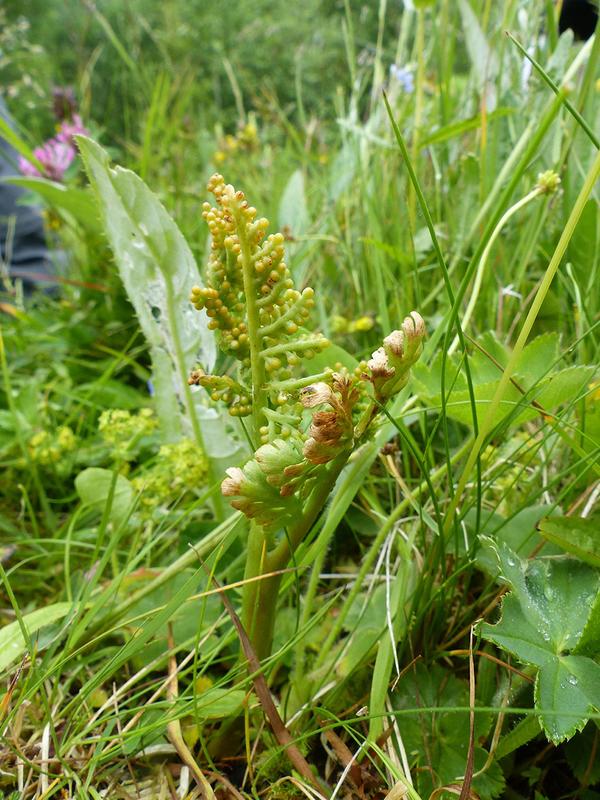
column 303, row 428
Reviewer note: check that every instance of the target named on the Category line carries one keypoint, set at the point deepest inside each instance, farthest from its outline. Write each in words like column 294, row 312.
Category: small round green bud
column 548, row 181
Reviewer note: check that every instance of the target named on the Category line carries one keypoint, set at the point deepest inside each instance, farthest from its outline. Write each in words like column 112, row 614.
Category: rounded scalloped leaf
column 544, row 621
column 567, row 692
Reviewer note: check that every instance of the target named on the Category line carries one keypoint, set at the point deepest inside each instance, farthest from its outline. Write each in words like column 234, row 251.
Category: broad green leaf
column 12, row 643
column 570, row 687
column 158, row 271
column 17, row 142
column 218, row 703
column 534, row 374
column 563, row 386
column 589, row 644
column 519, row 532
column 526, row 730
column 540, row 355
column 575, row 535
column 79, row 203
column 441, row 737
column 191, row 618
column 544, row 620
column 482, row 55
column 93, row 487
column 486, row 363
column 293, row 213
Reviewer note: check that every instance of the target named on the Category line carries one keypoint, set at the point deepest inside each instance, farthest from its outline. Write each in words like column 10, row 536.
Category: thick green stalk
column 279, row 558
column 256, row 552
column 260, row 596
column 261, row 606
column 258, row 627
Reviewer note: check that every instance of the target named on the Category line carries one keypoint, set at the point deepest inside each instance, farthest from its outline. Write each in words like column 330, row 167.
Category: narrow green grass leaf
column 79, row 203
column 556, row 89
column 574, row 535
column 12, row 643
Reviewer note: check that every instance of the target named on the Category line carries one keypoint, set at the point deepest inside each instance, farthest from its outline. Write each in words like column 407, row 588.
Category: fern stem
column 257, row 367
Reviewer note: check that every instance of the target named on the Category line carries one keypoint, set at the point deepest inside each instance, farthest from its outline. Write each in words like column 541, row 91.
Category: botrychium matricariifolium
column 260, row 320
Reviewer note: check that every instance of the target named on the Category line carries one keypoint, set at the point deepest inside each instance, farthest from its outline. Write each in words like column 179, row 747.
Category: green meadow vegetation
column 300, row 454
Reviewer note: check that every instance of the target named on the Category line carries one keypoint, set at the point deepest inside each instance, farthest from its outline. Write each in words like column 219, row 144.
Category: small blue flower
column 150, row 386
column 404, row 76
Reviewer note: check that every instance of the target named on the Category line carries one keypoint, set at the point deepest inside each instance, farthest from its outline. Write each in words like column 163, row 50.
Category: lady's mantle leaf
column 441, row 737
column 546, row 621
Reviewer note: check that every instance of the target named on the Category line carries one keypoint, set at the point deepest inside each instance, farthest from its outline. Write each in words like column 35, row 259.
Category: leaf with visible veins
column 551, row 620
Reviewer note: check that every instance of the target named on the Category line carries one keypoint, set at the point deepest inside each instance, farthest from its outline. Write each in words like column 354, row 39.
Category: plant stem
column 260, row 597
column 255, row 567
column 484, row 257
column 420, row 80
column 279, row 558
column 257, row 367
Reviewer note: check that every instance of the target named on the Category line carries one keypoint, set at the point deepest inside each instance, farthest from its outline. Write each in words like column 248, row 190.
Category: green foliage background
column 101, row 498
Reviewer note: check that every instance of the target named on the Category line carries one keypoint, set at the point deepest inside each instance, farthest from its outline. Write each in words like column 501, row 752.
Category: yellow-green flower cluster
column 340, row 324
column 548, row 181
column 178, row 468
column 47, row 448
column 250, row 299
column 123, row 431
column 244, row 142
